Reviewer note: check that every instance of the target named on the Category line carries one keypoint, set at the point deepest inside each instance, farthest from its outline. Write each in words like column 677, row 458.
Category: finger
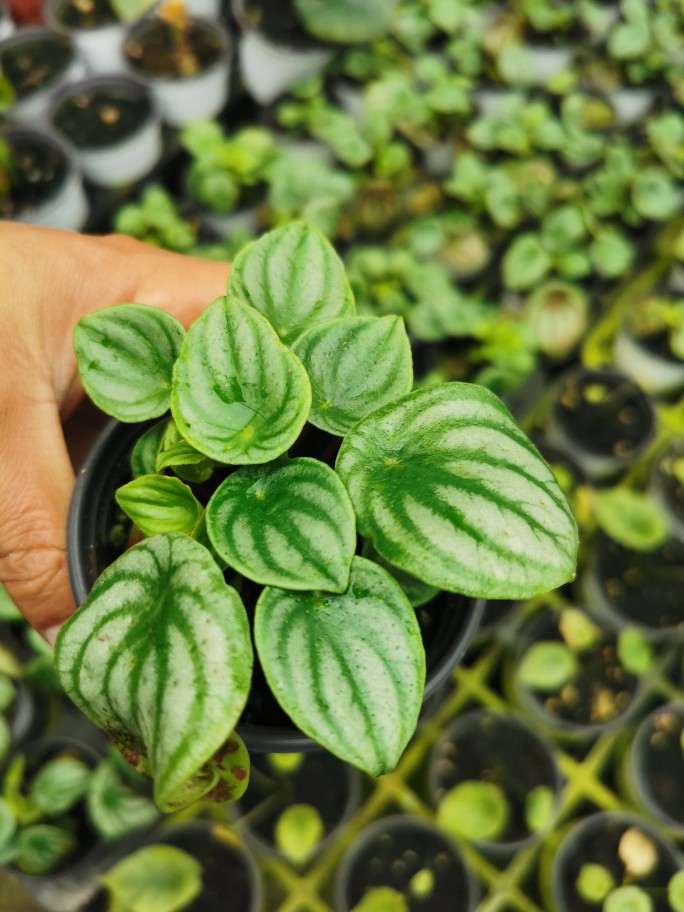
column 34, row 501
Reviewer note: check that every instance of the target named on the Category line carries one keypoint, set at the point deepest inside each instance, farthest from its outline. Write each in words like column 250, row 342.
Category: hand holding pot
column 48, row 280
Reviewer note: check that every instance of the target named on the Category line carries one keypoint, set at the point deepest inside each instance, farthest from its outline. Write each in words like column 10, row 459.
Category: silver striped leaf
column 294, row 277
column 239, row 395
column 355, row 365
column 448, row 488
column 176, row 453
column 416, row 591
column 348, row 669
column 125, row 357
column 159, row 656
column 158, row 504
column 114, row 807
column 289, row 524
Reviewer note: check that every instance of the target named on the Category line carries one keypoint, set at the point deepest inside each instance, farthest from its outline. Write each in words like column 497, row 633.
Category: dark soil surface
column 159, row 49
column 86, row 14
column 39, row 173
column 35, row 63
column 100, row 118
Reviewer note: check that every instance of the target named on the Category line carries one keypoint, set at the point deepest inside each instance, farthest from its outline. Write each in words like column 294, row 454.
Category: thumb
column 34, row 500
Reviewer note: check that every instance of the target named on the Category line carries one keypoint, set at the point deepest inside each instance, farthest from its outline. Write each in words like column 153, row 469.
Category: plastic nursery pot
column 230, row 878
column 277, row 782
column 114, row 126
column 47, row 188
column 485, row 747
column 242, row 220
column 22, row 715
column 600, row 840
column 94, row 28
column 631, row 104
column 640, row 588
column 654, row 767
column 448, row 622
column 547, row 61
column 667, row 486
column 600, row 695
column 601, row 419
column 37, row 62
column 654, row 367
column 6, row 23
column 189, row 76
column 391, row 852
column 274, row 51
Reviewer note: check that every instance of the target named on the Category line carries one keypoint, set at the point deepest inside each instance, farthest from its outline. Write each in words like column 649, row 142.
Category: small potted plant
column 502, row 803
column 607, row 854
column 290, row 305
column 182, row 59
column 574, row 676
column 36, row 62
column 114, row 127
column 156, row 219
column 409, row 857
column 228, row 174
column 297, row 803
column 40, row 181
column 653, row 766
column 559, row 314
column 602, row 419
column 650, row 343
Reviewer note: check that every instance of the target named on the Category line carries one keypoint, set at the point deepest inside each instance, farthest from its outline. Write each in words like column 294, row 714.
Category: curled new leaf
column 294, row 277
column 239, row 395
column 289, row 524
column 348, row 669
column 125, row 358
column 449, row 489
column 157, row 503
column 159, row 656
column 355, row 365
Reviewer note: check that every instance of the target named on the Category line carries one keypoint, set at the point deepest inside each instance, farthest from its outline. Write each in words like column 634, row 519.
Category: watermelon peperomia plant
column 441, row 484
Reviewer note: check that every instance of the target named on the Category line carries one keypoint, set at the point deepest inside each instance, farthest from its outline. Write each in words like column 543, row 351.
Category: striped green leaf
column 176, row 453
column 294, row 277
column 348, row 669
column 59, row 785
column 449, row 489
column 156, row 878
column 125, row 357
column 159, row 656
column 42, row 847
column 158, row 503
column 416, row 591
column 113, row 807
column 289, row 524
column 355, row 365
column 146, row 449
column 239, row 395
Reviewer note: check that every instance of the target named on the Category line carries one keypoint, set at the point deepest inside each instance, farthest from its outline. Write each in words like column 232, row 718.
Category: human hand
column 48, row 280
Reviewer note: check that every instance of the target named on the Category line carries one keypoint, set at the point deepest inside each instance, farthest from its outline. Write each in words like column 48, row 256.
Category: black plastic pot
column 602, row 420
column 595, row 840
column 449, row 622
column 391, row 852
column 490, row 747
column 230, row 878
column 331, row 787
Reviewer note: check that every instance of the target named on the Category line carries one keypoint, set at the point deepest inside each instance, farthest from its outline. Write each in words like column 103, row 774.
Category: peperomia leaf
column 298, row 832
column 631, row 518
column 239, row 395
column 125, row 358
column 294, row 277
column 8, row 825
column 159, row 655
column 41, row 848
column 547, row 666
column 146, row 449
column 355, row 365
column 348, row 669
column 346, row 21
column 157, row 878
column 176, row 453
column 449, row 489
column 158, row 503
column 115, row 809
column 289, row 524
column 416, row 591
column 474, row 810
column 59, row 785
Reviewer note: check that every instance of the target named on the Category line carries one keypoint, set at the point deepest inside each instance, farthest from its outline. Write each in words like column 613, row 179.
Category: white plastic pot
column 6, row 23
column 547, row 62
column 126, row 161
column 658, row 376
column 68, row 208
column 225, row 226
column 34, row 107
column 181, row 101
column 268, row 69
column 204, row 9
column 100, row 47
column 489, row 101
column 631, row 105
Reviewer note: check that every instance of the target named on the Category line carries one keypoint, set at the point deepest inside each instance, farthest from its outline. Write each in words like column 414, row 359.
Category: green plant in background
column 630, row 518
column 481, row 811
column 290, row 524
column 347, row 21
column 225, row 168
column 7, row 170
column 158, row 877
column 310, row 188
column 654, row 316
column 157, row 221
column 298, row 833
column 596, row 885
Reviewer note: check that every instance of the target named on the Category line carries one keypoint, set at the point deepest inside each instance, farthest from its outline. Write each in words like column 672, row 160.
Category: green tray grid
column 586, row 766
